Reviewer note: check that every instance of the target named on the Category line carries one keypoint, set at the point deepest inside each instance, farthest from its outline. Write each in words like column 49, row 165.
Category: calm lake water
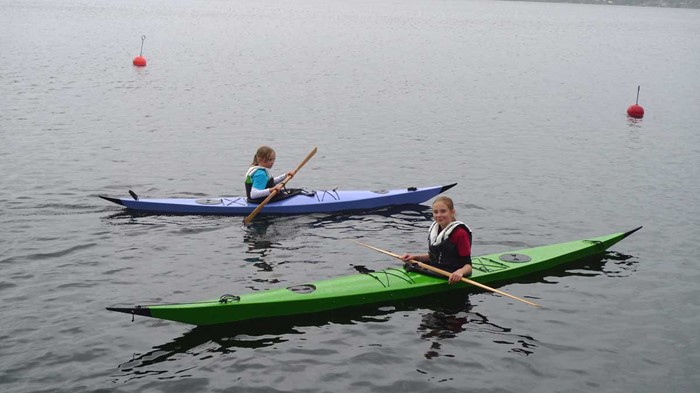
column 522, row 104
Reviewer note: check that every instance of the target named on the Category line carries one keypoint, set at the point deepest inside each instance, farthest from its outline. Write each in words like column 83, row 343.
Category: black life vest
column 443, row 253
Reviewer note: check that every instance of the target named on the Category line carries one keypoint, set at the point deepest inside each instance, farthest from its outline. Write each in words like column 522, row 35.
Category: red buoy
column 635, row 110
column 140, row 61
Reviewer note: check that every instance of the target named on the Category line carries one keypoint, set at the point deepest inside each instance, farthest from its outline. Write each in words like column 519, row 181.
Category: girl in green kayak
column 449, row 242
column 259, row 182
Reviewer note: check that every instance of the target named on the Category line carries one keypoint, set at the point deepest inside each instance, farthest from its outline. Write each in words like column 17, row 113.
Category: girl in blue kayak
column 259, row 182
column 449, row 242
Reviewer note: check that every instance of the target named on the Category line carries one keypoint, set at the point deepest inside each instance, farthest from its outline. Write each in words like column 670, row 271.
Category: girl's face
column 267, row 162
column 442, row 214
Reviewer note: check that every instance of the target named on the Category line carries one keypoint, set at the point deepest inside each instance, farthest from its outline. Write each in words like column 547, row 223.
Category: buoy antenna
column 140, row 61
column 635, row 110
column 143, row 38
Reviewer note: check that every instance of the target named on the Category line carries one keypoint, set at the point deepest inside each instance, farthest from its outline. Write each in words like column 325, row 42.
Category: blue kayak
column 318, row 201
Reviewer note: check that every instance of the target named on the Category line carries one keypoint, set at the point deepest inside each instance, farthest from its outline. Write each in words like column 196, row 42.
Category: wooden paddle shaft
column 447, row 274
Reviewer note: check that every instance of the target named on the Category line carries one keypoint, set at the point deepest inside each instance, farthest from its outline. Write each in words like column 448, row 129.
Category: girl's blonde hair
column 446, row 200
column 263, row 153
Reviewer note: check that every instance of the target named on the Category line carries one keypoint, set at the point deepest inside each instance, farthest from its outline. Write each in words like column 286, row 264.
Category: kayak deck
column 371, row 287
column 318, row 201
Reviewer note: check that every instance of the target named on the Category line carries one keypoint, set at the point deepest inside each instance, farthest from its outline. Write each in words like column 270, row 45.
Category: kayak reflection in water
column 449, row 242
column 259, row 182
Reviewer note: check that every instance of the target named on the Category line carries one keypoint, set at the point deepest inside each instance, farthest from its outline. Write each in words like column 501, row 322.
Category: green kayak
column 370, row 287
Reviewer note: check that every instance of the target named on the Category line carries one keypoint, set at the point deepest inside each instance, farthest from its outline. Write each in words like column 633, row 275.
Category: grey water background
column 522, row 104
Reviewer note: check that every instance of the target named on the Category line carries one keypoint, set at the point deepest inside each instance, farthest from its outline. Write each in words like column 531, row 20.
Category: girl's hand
column 458, row 274
column 455, row 277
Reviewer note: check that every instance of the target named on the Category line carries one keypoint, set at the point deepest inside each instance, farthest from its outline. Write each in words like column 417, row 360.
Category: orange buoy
column 635, row 110
column 140, row 61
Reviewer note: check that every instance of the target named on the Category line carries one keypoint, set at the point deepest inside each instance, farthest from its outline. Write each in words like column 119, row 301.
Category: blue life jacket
column 249, row 182
column 284, row 194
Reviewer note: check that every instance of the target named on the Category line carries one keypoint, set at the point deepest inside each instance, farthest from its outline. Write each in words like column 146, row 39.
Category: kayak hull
column 371, row 287
column 319, row 201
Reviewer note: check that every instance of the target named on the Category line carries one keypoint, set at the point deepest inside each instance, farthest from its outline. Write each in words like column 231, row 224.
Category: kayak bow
column 370, row 287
